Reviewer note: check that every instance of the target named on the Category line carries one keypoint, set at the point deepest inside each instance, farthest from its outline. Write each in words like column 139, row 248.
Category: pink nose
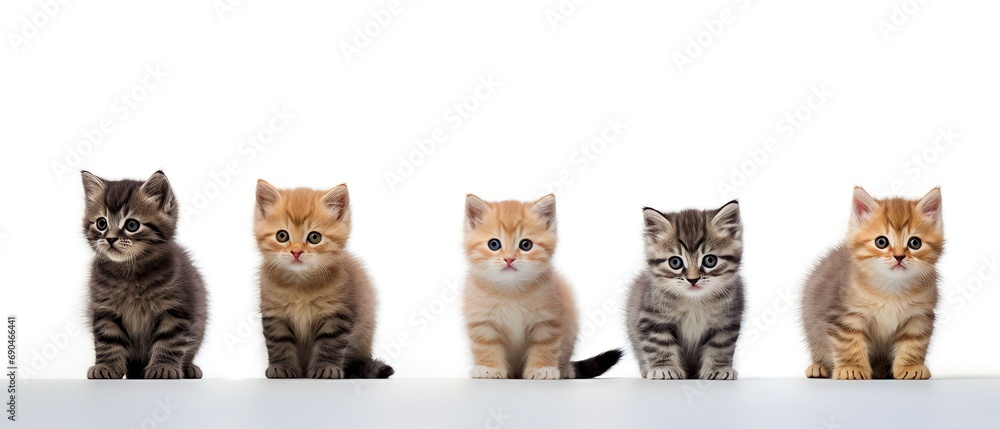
column 509, row 261
column 296, row 255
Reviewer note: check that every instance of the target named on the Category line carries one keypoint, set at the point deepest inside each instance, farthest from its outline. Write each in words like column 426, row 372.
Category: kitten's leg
column 282, row 353
column 542, row 351
column 171, row 341
column 488, row 350
column 329, row 348
column 717, row 355
column 110, row 344
column 660, row 348
column 850, row 348
column 909, row 348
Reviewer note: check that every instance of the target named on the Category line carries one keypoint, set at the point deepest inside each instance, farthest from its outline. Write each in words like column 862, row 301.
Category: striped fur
column 866, row 314
column 317, row 308
column 683, row 320
column 520, row 313
column 147, row 302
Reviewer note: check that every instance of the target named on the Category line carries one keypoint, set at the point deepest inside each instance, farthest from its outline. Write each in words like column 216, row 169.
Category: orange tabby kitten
column 520, row 313
column 316, row 302
column 868, row 307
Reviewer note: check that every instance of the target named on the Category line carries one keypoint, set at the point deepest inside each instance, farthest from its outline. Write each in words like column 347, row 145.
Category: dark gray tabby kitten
column 147, row 301
column 684, row 311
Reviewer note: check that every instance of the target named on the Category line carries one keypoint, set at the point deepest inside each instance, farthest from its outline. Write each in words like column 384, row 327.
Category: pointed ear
column 930, row 206
column 93, row 186
column 267, row 196
column 728, row 219
column 545, row 208
column 863, row 206
column 657, row 224
column 338, row 200
column 475, row 211
column 156, row 189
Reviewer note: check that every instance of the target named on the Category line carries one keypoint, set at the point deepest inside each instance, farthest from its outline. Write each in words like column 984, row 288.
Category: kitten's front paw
column 325, row 372
column 481, row 371
column 543, row 373
column 158, row 372
column 103, row 372
column 281, row 371
column 192, row 371
column 719, row 374
column 817, row 370
column 911, row 372
column 666, row 373
column 851, row 373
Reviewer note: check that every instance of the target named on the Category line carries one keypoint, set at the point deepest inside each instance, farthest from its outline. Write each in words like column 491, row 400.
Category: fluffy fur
column 520, row 314
column 316, row 301
column 147, row 303
column 868, row 307
column 685, row 309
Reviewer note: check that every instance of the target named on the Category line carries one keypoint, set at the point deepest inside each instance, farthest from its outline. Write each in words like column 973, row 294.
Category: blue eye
column 131, row 225
column 709, row 261
column 493, row 244
column 675, row 263
column 526, row 245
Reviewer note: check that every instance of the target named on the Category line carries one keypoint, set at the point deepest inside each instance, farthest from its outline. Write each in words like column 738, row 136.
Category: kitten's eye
column 675, row 262
column 102, row 223
column 915, row 243
column 131, row 225
column 709, row 261
column 281, row 236
column 493, row 244
column 314, row 237
column 881, row 242
column 526, row 245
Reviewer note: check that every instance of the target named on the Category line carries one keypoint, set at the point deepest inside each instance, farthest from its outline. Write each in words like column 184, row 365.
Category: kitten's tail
column 597, row 365
column 368, row 368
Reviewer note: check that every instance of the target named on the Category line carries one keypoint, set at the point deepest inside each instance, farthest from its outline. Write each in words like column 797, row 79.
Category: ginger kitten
column 316, row 302
column 685, row 310
column 520, row 313
column 147, row 303
column 868, row 307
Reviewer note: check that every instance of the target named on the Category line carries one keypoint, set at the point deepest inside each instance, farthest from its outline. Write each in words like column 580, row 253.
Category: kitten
column 868, row 307
column 520, row 313
column 147, row 302
column 685, row 309
column 316, row 301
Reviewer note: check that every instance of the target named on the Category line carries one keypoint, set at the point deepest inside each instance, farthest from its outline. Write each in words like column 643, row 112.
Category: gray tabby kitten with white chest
column 147, row 303
column 685, row 309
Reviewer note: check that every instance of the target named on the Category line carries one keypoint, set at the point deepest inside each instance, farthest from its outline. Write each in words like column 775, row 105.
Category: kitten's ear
column 930, row 206
column 475, row 211
column 156, row 189
column 93, row 186
column 728, row 219
column 657, row 224
column 267, row 196
column 338, row 200
column 862, row 207
column 545, row 208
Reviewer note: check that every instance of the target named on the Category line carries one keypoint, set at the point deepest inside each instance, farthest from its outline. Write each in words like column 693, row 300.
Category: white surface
column 686, row 132
column 604, row 403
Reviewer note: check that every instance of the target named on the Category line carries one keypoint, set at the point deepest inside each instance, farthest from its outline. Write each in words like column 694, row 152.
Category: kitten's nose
column 111, row 240
column 694, row 280
column 509, row 261
column 899, row 258
column 296, row 254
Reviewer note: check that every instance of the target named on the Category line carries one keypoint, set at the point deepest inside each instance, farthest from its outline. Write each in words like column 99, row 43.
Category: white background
column 686, row 130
